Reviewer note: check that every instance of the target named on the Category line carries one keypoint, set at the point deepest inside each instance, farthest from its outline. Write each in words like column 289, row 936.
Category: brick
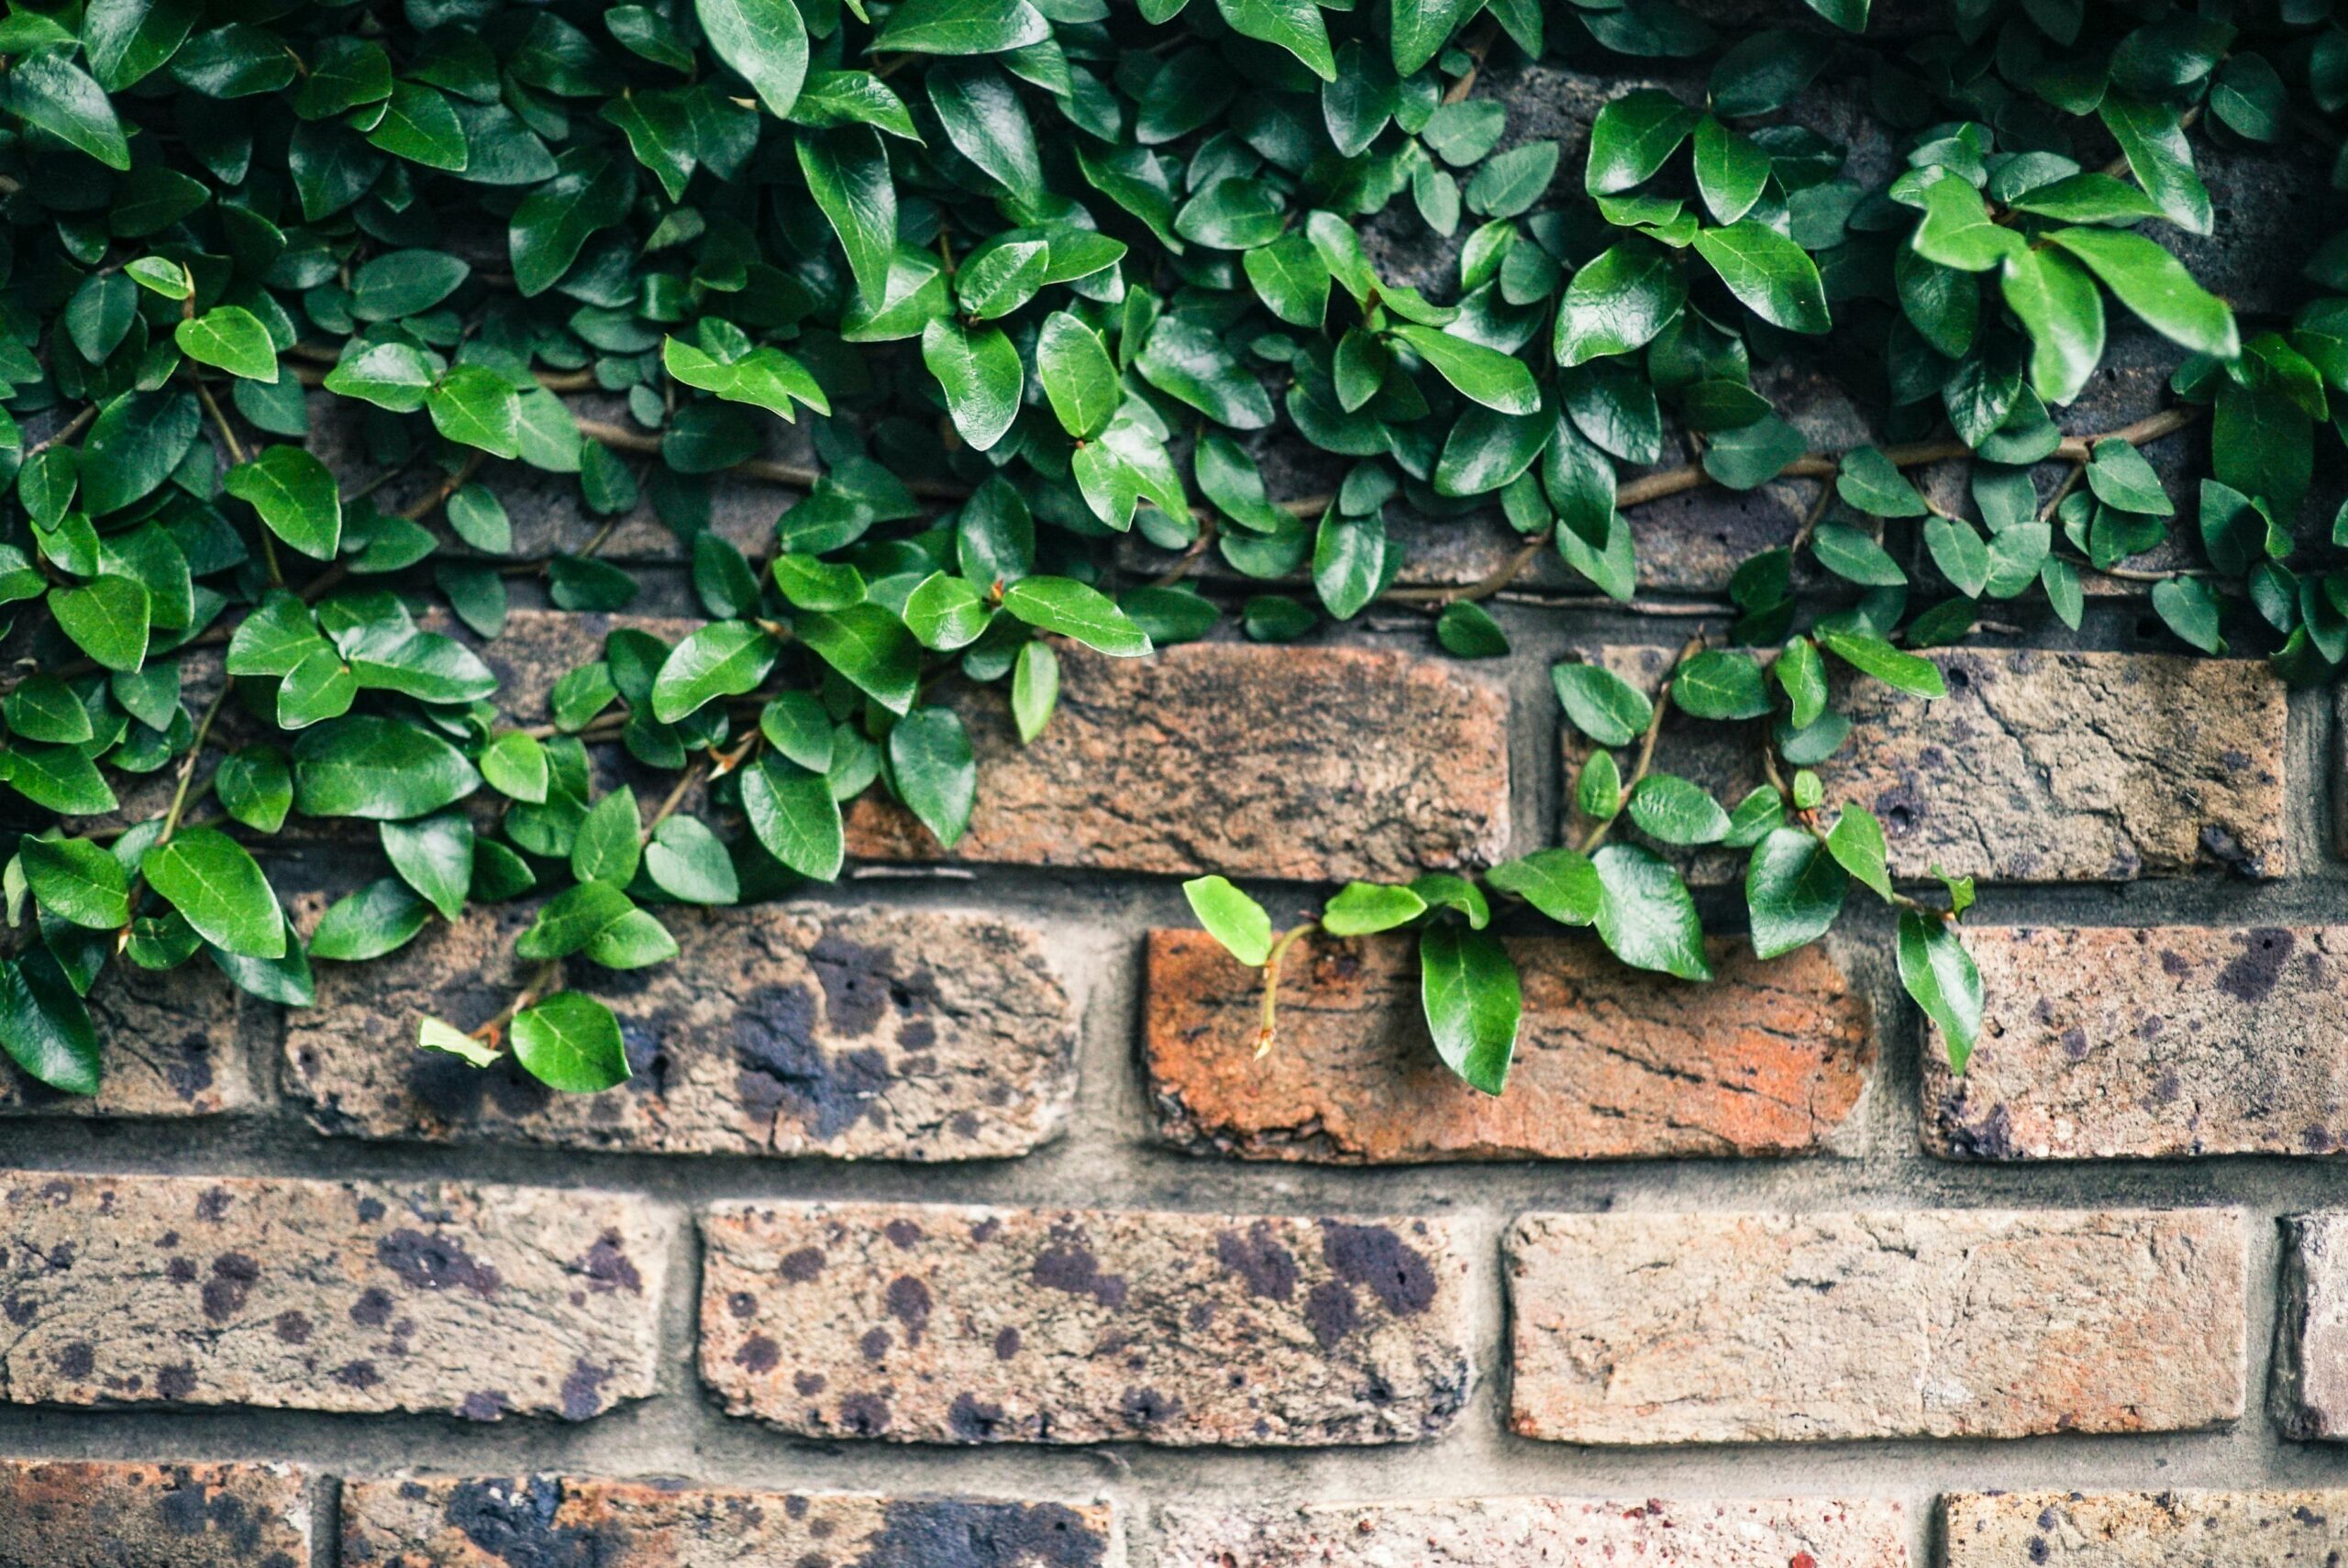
column 2310, row 1392
column 513, row 1522
column 171, row 1047
column 1541, row 1532
column 779, row 1030
column 1611, row 1062
column 1638, row 1329
column 923, row 1323
column 62, row 1513
column 2038, row 766
column 2149, row 1041
column 538, row 647
column 482, row 1302
column 1312, row 764
column 2144, row 1530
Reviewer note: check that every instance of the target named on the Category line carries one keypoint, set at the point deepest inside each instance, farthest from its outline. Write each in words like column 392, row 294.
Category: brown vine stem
column 1478, row 45
column 544, row 978
column 1269, row 1028
column 1597, row 831
column 1484, row 587
column 72, row 427
column 1807, row 820
column 180, row 798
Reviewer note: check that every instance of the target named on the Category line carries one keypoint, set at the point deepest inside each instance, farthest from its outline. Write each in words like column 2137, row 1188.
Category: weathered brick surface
column 556, row 1521
column 1541, row 1532
column 1611, row 1064
column 1747, row 1327
column 538, row 647
column 2310, row 1392
column 2037, row 766
column 1316, row 763
column 2146, row 1529
column 948, row 1324
column 326, row 1295
column 171, row 1047
column 62, row 1513
column 2149, row 1041
column 779, row 1030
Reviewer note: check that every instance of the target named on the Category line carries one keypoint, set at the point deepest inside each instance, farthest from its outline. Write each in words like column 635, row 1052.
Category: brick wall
column 949, row 1222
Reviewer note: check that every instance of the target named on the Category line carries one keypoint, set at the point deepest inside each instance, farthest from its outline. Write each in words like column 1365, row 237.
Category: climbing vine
column 1053, row 284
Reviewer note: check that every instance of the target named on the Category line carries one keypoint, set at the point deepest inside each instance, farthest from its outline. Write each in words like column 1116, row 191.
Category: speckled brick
column 530, row 1520
column 2037, row 766
column 482, row 1302
column 2144, row 1530
column 2310, row 1392
column 1611, row 1062
column 779, row 1030
column 170, row 1045
column 1314, row 764
column 2149, row 1041
column 920, row 1323
column 1542, row 1532
column 65, row 1513
column 1638, row 1329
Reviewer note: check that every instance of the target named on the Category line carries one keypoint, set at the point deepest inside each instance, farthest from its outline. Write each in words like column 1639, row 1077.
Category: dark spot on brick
column 361, row 1375
column 232, row 1281
column 864, row 1415
column 2075, row 1043
column 1007, row 1344
column 2249, row 977
column 514, row 1523
column 583, row 1391
column 179, row 1271
column 987, row 1229
column 810, row 1383
column 213, row 1206
column 483, row 1405
column 2173, row 966
column 1375, row 1256
column 908, row 1301
column 176, row 1382
column 370, row 1210
column 455, row 1091
column 373, row 1307
column 875, row 1343
column 434, row 1263
column 19, row 1310
column 1072, row 1267
column 77, row 1360
column 1331, row 1312
column 1258, row 1258
column 293, row 1327
column 1990, row 1138
column 2038, row 1548
column 1201, row 1314
column 945, row 1533
column 902, row 1234
column 607, row 1268
column 974, row 1422
column 742, row 1304
column 759, row 1353
column 803, row 1266
column 782, row 1069
column 917, row 1034
column 1148, row 1407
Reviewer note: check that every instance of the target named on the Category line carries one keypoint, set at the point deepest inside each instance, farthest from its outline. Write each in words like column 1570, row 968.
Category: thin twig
column 1597, row 831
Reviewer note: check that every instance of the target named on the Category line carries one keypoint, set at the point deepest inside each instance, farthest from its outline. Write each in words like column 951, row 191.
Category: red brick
column 66, row 1513
column 920, row 1323
column 1610, row 1063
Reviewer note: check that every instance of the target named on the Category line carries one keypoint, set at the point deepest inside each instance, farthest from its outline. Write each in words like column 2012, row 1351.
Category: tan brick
column 171, row 1047
column 524, row 1520
column 1639, row 1329
column 326, row 1295
column 921, row 1323
column 2146, row 1529
column 2038, row 766
column 1611, row 1062
column 64, row 1513
column 2310, row 1392
column 779, row 1030
column 1541, row 1532
column 2149, row 1041
column 1313, row 764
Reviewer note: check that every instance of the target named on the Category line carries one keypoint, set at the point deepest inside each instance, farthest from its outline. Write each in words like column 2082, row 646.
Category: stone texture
column 779, row 1030
column 1314, row 764
column 2149, row 1041
column 326, row 1295
column 945, row 1324
column 2146, row 1529
column 1541, row 1532
column 1610, row 1063
column 2037, row 766
column 62, row 1513
column 529, row 1520
column 2310, row 1392
column 1639, row 1329
column 539, row 647
column 171, row 1047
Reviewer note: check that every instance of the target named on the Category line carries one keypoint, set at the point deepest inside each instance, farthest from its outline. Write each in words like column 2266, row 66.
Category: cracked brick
column 66, row 1513
column 779, row 1030
column 921, row 1323
column 1611, row 1062
column 1642, row 1328
column 482, row 1302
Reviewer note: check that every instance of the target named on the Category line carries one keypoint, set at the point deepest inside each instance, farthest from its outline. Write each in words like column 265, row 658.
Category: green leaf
column 1500, row 381
column 1294, row 25
column 2152, row 141
column 978, row 371
column 1857, row 844
column 2188, row 607
column 1078, row 377
column 1719, row 683
column 475, row 406
column 1364, row 909
column 296, row 497
column 380, row 918
column 934, row 772
column 571, row 1042
column 690, row 863
column 107, row 618
column 765, row 42
column 1348, row 563
column 608, row 848
column 1602, row 704
column 1619, row 302
column 574, row 920
column 377, row 769
column 2119, row 476
column 870, row 647
column 961, row 26
column 1561, row 883
column 1632, row 135
column 212, row 880
column 1957, row 230
column 764, row 378
column 1034, row 689
column 2155, row 285
column 418, row 125
column 128, row 41
column 1645, row 917
column 1873, row 656
column 1793, row 890
column 2062, row 310
column 1731, row 170
column 848, row 173
column 1670, row 808
column 1870, row 484
column 793, row 814
column 1469, row 992
column 231, row 338
column 1232, row 918
column 1939, row 975
column 62, row 100
column 1421, row 28
column 77, row 881
column 514, row 765
column 1772, row 276
column 432, row 1034
column 405, row 282
column 44, row 1024
column 1073, row 609
column 435, row 856
column 725, row 658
